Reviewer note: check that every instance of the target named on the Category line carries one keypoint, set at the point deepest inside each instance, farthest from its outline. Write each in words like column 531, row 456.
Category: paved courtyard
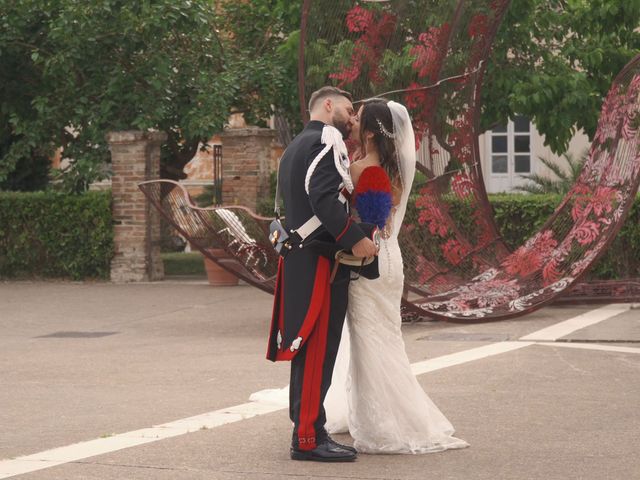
column 152, row 381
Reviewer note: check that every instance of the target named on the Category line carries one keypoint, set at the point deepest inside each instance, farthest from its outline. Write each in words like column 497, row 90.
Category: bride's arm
column 355, row 170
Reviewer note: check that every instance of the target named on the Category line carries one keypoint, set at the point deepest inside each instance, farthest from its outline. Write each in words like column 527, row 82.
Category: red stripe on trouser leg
column 312, row 382
column 320, row 288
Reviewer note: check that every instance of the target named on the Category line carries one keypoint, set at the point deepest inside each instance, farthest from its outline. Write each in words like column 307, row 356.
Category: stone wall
column 135, row 157
column 247, row 163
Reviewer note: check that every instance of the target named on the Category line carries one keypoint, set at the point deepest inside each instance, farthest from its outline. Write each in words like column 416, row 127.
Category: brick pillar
column 246, row 165
column 135, row 157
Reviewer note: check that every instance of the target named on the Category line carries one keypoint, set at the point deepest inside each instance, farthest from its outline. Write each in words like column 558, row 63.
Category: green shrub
column 519, row 216
column 49, row 234
column 183, row 263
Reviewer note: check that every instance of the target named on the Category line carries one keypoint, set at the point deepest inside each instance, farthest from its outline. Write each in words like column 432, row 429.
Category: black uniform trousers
column 312, row 368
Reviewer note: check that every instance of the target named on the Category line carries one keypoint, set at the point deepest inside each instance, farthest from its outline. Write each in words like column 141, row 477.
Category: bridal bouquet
column 372, row 197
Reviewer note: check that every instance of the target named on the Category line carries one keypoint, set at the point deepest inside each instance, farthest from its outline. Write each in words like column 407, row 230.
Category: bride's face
column 355, row 131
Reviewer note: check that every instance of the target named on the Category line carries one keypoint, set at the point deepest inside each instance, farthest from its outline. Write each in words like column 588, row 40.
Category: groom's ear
column 328, row 104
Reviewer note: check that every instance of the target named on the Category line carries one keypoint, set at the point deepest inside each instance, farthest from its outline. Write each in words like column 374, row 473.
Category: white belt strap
column 314, row 222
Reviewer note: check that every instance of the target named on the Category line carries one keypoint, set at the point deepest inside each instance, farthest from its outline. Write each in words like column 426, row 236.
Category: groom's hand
column 365, row 248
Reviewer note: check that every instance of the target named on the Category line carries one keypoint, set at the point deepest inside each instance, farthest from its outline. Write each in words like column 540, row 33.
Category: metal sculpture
column 457, row 269
column 453, row 269
column 242, row 235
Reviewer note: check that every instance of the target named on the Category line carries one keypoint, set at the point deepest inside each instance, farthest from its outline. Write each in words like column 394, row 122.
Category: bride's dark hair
column 376, row 118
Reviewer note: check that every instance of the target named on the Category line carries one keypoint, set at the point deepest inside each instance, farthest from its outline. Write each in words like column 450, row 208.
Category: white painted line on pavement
column 590, row 346
column 99, row 446
column 465, row 356
column 587, row 319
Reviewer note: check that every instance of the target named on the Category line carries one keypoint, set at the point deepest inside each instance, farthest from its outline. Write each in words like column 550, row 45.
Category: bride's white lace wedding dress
column 374, row 395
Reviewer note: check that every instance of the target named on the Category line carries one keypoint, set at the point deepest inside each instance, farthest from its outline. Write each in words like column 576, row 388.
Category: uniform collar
column 315, row 125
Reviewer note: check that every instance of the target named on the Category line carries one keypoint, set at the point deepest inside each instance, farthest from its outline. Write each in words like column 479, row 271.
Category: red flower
column 485, row 232
column 454, row 251
column 522, row 262
column 551, row 272
column 359, row 19
column 369, row 48
column 461, row 139
column 611, row 113
column 602, row 201
column 414, row 96
column 478, row 25
column 431, row 214
column 427, row 52
column 347, row 75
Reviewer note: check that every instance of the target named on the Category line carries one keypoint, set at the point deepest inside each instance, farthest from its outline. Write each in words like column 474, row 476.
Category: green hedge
column 71, row 236
column 181, row 264
column 54, row 235
column 520, row 216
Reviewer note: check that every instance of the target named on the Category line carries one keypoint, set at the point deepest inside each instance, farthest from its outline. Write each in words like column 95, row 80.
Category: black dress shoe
column 324, row 452
column 340, row 445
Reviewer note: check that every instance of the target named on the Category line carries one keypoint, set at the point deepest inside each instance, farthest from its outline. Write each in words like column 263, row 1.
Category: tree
column 554, row 61
column 72, row 70
column 261, row 39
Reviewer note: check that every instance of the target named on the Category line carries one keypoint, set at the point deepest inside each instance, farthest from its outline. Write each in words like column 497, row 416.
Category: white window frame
column 511, row 153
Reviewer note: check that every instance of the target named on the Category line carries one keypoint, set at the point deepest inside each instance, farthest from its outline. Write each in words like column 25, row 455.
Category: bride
column 374, row 394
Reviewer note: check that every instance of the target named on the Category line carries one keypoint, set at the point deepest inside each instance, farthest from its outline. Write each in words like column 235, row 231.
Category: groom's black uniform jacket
column 299, row 274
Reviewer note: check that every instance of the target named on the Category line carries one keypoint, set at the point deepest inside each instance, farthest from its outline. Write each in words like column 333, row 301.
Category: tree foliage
column 261, row 49
column 554, row 61
column 72, row 70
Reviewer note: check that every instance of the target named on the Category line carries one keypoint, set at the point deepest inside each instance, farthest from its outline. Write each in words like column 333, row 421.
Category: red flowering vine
column 431, row 214
column 368, row 49
column 359, row 19
column 454, row 251
column 478, row 25
column 428, row 51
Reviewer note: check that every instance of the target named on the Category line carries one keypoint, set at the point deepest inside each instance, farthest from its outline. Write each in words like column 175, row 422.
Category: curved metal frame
column 474, row 65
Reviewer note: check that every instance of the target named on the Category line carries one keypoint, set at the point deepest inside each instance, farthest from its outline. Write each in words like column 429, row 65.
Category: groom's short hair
column 325, row 92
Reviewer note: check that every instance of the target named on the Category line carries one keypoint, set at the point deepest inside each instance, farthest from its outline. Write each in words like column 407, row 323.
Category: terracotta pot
column 217, row 275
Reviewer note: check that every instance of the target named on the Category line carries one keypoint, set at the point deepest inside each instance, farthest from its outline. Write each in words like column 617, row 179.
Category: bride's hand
column 365, row 248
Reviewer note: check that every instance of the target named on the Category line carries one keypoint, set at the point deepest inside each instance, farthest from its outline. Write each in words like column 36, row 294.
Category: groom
column 309, row 309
